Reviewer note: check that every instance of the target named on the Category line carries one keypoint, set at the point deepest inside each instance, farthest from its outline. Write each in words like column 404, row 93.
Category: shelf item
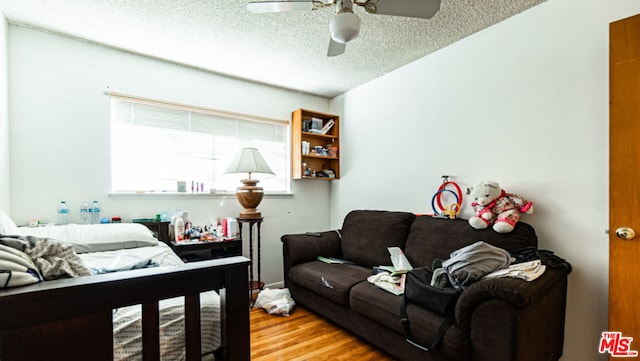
column 315, row 145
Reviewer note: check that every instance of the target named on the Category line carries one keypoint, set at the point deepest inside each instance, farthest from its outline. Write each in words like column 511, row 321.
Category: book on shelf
column 325, row 129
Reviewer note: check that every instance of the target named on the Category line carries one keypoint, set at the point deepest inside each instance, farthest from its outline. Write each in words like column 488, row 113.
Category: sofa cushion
column 332, row 281
column 366, row 235
column 384, row 308
column 435, row 238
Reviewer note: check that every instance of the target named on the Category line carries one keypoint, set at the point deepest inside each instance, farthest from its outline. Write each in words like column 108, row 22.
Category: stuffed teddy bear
column 495, row 206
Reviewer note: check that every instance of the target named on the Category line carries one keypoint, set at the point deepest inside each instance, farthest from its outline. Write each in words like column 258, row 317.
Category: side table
column 253, row 285
column 159, row 229
column 200, row 251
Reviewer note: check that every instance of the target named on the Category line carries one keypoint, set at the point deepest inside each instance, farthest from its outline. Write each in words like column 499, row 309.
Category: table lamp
column 249, row 160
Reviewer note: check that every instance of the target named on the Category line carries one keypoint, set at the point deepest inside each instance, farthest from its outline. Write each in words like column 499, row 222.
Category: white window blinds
column 155, row 145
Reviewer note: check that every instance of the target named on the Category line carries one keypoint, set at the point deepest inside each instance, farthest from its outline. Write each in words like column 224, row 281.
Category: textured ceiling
column 282, row 49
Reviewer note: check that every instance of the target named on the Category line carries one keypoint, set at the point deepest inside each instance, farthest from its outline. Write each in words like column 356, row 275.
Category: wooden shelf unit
column 312, row 160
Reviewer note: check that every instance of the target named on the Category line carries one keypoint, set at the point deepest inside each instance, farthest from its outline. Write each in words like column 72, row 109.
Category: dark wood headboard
column 71, row 319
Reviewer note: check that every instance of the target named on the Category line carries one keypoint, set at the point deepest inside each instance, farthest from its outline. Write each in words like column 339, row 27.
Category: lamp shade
column 248, row 160
column 344, row 26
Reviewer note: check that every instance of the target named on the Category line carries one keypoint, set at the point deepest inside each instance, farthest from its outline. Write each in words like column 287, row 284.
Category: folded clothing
column 387, row 282
column 527, row 271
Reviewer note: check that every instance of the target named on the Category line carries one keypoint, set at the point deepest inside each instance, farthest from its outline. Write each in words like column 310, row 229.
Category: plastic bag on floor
column 275, row 302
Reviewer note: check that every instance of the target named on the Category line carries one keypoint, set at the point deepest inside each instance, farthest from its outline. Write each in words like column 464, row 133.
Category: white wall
column 4, row 119
column 524, row 103
column 59, row 119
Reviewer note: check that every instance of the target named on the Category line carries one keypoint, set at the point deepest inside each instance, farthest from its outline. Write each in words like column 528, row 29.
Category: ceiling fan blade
column 258, row 7
column 336, row 48
column 424, row 9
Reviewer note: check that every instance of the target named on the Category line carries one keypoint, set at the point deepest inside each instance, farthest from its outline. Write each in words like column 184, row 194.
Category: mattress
column 127, row 327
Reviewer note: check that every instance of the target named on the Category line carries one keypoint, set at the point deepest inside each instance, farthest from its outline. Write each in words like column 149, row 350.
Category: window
column 155, row 145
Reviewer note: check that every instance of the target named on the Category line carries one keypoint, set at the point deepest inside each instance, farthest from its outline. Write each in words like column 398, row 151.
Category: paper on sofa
column 400, row 263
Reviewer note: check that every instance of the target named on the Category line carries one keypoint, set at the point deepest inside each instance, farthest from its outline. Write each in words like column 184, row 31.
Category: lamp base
column 250, row 195
column 250, row 213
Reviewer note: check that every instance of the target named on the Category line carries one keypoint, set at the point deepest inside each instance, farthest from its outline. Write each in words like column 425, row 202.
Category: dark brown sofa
column 495, row 320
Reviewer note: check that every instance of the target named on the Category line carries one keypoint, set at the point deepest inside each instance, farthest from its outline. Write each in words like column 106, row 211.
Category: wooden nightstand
column 159, row 229
column 200, row 251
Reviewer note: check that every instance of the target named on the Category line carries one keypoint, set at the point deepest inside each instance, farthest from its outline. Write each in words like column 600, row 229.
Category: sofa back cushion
column 366, row 234
column 435, row 238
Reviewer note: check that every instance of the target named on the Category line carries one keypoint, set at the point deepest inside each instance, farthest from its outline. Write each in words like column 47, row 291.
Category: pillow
column 97, row 237
column 7, row 226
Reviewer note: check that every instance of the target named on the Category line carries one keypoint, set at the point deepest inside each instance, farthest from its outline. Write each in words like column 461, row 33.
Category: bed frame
column 71, row 319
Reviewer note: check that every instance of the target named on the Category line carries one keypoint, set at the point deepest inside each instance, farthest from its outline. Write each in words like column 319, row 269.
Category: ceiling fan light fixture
column 344, row 26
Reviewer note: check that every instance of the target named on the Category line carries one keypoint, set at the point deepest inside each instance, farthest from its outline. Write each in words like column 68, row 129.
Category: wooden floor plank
column 305, row 336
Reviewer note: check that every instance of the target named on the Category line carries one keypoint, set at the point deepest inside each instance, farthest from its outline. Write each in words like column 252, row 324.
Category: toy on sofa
column 495, row 206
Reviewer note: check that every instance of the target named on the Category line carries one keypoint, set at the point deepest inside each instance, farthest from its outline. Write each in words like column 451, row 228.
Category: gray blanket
column 53, row 259
column 470, row 263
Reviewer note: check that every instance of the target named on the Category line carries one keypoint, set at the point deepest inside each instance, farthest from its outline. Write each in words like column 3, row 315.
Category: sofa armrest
column 301, row 248
column 516, row 292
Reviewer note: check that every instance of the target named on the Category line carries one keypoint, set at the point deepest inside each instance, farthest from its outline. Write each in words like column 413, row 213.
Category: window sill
column 180, row 195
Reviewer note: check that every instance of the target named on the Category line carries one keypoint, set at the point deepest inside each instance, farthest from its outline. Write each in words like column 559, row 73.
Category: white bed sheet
column 126, row 320
column 161, row 254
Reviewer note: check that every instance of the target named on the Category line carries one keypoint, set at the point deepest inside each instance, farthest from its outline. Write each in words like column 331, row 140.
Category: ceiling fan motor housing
column 344, row 26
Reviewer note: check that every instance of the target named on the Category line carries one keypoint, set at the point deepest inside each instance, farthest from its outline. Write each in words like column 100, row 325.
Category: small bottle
column 95, row 212
column 85, row 216
column 219, row 231
column 179, row 230
column 63, row 213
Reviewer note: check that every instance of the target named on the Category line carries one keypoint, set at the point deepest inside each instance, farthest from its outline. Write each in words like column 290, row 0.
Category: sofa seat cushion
column 332, row 281
column 366, row 235
column 384, row 308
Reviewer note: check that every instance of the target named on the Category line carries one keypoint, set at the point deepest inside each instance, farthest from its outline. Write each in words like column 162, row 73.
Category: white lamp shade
column 248, row 160
column 344, row 27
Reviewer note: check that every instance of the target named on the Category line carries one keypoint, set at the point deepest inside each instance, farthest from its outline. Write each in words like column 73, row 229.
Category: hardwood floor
column 304, row 336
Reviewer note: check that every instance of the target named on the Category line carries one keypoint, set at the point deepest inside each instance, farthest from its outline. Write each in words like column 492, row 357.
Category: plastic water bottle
column 85, row 216
column 95, row 212
column 63, row 213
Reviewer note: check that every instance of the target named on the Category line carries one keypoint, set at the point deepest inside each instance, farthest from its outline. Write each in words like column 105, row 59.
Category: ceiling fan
column 344, row 26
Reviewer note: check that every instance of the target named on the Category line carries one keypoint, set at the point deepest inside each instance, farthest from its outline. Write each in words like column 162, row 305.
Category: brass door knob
column 625, row 233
